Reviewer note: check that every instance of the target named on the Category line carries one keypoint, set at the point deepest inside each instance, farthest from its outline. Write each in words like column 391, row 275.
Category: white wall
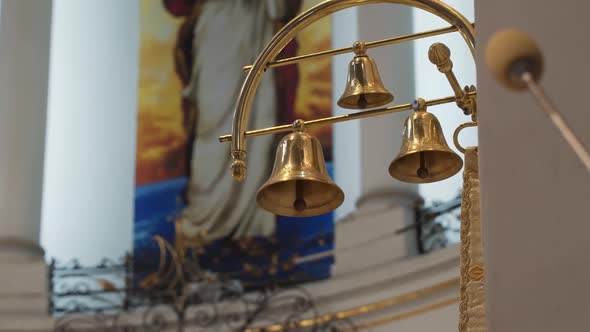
column 535, row 192
column 91, row 130
column 430, row 83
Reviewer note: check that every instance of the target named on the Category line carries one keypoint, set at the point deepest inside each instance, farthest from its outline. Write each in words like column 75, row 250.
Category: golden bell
column 364, row 88
column 299, row 185
column 424, row 156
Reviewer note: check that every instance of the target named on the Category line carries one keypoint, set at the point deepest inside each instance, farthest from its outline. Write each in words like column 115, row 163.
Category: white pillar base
column 370, row 231
column 23, row 288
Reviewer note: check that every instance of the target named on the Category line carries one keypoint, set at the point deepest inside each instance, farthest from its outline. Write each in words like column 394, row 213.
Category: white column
column 535, row 191
column 91, row 130
column 364, row 149
column 430, row 83
column 25, row 27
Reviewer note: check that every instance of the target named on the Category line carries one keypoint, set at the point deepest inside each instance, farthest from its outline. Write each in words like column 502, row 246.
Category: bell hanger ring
column 458, row 131
column 298, row 125
column 419, row 105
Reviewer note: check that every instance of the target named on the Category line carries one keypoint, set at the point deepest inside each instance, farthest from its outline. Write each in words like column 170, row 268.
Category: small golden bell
column 299, row 185
column 364, row 88
column 424, row 155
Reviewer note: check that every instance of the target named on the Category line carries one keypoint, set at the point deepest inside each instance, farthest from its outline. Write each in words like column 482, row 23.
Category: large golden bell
column 424, row 155
column 364, row 88
column 299, row 185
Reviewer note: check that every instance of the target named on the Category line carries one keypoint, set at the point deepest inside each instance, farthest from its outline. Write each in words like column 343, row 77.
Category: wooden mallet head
column 509, row 54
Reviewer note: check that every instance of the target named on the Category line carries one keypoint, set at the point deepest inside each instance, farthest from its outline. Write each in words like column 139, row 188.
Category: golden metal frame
column 345, row 117
column 465, row 99
column 439, row 55
column 344, row 50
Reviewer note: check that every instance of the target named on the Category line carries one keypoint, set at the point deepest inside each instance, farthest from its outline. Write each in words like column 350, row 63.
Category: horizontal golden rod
column 342, row 118
column 344, row 50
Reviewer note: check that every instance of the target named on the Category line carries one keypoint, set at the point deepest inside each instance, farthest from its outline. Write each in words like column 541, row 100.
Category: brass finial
column 440, row 55
column 238, row 166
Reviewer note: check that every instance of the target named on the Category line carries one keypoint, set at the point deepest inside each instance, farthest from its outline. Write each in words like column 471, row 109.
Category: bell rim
column 352, row 106
column 458, row 163
column 305, row 213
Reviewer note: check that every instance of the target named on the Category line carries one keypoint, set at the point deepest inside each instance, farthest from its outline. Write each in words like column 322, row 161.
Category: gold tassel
column 472, row 309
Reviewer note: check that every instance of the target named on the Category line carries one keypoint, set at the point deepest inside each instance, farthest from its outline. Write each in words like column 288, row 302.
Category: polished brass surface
column 344, row 50
column 424, row 156
column 345, row 117
column 299, row 185
column 291, row 29
column 364, row 309
column 364, row 88
column 440, row 55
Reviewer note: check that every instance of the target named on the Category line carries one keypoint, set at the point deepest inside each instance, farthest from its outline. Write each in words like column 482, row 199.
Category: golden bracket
column 440, row 55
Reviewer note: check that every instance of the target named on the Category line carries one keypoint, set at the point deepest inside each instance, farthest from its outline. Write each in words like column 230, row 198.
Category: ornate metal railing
column 438, row 225
column 235, row 312
column 182, row 296
column 76, row 288
column 106, row 298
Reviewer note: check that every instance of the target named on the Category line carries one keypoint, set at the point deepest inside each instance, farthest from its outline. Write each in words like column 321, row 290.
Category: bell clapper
column 419, row 105
column 422, row 170
column 299, row 203
column 362, row 103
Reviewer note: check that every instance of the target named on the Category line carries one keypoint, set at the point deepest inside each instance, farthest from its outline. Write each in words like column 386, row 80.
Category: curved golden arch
column 290, row 30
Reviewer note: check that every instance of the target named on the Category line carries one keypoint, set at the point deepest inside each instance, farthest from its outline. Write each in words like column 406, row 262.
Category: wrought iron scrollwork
column 181, row 296
column 438, row 225
column 249, row 311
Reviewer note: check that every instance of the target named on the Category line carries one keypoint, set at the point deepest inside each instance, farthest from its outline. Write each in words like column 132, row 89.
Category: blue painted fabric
column 256, row 261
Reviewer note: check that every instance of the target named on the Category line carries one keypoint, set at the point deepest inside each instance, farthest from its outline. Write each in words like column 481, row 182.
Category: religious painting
column 186, row 203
